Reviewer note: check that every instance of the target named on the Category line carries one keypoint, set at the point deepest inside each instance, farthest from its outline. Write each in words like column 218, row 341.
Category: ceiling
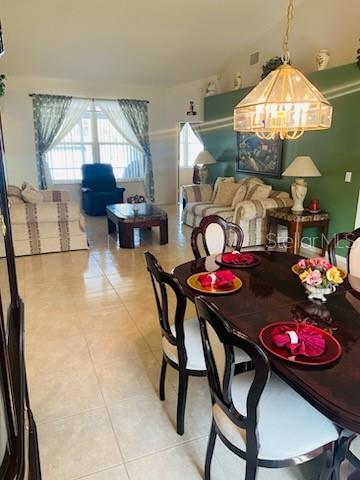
column 158, row 42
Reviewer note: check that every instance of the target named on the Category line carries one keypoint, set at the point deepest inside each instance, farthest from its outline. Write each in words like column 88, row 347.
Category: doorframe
column 178, row 129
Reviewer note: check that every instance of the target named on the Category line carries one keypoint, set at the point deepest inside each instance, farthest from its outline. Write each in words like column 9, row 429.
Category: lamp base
column 298, row 192
column 203, row 174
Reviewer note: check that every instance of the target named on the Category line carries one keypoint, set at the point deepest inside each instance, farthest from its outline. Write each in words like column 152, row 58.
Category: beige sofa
column 52, row 224
column 251, row 215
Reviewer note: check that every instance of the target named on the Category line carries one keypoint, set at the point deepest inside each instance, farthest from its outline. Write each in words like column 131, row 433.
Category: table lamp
column 203, row 159
column 302, row 166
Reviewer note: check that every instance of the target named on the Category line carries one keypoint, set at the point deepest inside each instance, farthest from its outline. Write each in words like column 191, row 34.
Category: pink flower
column 319, row 262
column 302, row 263
column 314, row 278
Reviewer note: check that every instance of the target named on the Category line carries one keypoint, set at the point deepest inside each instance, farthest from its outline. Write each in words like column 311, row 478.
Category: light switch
column 348, row 176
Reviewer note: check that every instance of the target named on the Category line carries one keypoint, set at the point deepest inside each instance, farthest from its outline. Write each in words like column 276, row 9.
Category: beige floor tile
column 77, row 446
column 128, row 375
column 118, row 473
column 62, row 378
column 146, row 425
column 179, row 463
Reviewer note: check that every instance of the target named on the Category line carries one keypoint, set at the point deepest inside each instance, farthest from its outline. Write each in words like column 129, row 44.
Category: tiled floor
column 93, row 359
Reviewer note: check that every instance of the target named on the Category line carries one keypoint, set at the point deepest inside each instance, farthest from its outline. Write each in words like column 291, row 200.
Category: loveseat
column 45, row 221
column 250, row 212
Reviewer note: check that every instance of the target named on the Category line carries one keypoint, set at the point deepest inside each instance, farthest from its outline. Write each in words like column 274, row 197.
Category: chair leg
column 162, row 379
column 182, row 393
column 210, row 451
column 327, row 472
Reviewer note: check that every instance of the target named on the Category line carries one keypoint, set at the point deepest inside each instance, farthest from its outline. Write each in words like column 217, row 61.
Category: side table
column 295, row 224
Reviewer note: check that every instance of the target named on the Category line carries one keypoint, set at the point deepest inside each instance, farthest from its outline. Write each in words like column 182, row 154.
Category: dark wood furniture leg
column 163, row 231
column 126, row 235
column 111, row 226
column 295, row 235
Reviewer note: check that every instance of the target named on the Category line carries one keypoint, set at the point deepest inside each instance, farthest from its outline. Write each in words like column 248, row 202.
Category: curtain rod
column 92, row 98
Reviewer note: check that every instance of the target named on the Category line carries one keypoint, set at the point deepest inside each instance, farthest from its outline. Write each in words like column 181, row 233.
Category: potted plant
column 271, row 65
column 319, row 277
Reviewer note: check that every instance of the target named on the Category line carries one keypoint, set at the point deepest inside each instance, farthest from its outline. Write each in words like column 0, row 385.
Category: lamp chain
column 290, row 16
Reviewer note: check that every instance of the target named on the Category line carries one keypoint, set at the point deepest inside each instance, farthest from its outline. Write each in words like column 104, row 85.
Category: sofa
column 250, row 213
column 44, row 221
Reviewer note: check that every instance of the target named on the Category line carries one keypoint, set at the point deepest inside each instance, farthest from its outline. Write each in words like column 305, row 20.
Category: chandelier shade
column 285, row 103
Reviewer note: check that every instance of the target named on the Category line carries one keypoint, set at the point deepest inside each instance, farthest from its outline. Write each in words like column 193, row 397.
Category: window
column 94, row 139
column 190, row 146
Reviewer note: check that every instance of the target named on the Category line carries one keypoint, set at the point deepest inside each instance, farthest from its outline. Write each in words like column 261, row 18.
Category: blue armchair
column 99, row 188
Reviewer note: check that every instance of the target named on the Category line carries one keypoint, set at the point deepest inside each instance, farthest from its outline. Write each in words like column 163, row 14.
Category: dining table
column 271, row 292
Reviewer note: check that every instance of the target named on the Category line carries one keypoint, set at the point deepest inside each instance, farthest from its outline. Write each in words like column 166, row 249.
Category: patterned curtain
column 136, row 113
column 49, row 112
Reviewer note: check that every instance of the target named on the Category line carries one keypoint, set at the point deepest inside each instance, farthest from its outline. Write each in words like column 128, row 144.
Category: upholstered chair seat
column 193, row 346
column 286, row 421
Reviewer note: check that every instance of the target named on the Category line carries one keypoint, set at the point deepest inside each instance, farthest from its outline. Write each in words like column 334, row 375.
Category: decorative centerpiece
column 319, row 277
column 135, row 200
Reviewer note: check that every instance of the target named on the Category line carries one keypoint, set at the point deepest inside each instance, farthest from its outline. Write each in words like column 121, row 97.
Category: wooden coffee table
column 123, row 218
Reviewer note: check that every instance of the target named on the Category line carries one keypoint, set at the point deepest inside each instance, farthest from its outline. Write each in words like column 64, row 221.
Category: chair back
column 161, row 282
column 219, row 340
column 214, row 235
column 99, row 177
column 353, row 254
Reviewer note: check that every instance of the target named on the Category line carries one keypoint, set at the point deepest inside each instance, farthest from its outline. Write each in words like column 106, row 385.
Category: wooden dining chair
column 181, row 340
column 256, row 414
column 353, row 254
column 215, row 234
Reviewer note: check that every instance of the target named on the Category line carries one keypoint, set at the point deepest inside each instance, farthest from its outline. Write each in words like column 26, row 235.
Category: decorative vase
column 318, row 293
column 322, row 59
column 211, row 89
column 237, row 81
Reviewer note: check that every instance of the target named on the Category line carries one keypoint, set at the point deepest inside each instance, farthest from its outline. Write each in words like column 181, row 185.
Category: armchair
column 99, row 188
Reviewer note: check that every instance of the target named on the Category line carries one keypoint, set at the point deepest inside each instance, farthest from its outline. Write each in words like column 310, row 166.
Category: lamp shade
column 302, row 166
column 204, row 158
column 285, row 103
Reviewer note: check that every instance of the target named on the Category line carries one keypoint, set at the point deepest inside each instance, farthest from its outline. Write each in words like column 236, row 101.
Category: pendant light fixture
column 285, row 103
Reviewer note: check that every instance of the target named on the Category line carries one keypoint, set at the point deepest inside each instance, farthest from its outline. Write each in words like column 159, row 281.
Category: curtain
column 136, row 113
column 49, row 112
column 54, row 117
column 198, row 130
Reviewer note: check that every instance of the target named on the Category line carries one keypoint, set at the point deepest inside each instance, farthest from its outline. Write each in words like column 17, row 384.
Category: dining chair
column 256, row 414
column 215, row 234
column 180, row 339
column 353, row 256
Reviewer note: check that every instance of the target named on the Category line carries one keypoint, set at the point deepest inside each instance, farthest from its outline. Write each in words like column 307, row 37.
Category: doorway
column 190, row 145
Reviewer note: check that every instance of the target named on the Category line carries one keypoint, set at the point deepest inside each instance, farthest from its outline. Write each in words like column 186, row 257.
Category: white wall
column 168, row 107
column 317, row 24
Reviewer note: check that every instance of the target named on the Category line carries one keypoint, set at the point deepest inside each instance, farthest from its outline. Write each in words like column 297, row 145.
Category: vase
column 322, row 59
column 318, row 293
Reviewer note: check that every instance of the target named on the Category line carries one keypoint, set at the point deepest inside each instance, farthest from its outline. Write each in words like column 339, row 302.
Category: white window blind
column 94, row 139
column 190, row 146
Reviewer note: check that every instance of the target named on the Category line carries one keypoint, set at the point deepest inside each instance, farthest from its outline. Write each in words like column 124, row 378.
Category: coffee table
column 123, row 218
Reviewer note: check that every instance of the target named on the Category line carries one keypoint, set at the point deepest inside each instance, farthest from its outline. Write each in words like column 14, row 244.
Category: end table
column 295, row 224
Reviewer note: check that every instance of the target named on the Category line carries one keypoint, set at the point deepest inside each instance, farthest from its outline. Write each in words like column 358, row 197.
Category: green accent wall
column 335, row 151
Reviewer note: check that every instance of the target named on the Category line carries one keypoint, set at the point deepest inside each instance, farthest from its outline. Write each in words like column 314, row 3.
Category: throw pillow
column 258, row 192
column 31, row 196
column 217, row 183
column 13, row 191
column 225, row 193
column 251, row 181
column 239, row 195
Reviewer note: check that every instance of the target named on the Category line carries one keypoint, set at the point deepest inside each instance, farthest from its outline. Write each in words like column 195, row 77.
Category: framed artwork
column 259, row 157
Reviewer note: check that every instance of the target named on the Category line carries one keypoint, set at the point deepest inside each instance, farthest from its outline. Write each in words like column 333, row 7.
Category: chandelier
column 285, row 103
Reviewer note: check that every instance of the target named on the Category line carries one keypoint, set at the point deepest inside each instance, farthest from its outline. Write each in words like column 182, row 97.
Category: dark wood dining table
column 271, row 292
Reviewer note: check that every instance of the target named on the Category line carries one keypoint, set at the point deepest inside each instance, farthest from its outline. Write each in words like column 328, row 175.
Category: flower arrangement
column 136, row 199
column 318, row 276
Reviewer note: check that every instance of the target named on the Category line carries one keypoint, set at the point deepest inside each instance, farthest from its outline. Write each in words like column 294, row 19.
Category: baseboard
column 341, row 261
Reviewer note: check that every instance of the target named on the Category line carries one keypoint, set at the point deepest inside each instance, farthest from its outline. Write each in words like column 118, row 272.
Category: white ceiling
column 158, row 42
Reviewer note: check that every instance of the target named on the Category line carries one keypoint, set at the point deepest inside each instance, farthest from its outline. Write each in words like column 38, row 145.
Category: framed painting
column 258, row 157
